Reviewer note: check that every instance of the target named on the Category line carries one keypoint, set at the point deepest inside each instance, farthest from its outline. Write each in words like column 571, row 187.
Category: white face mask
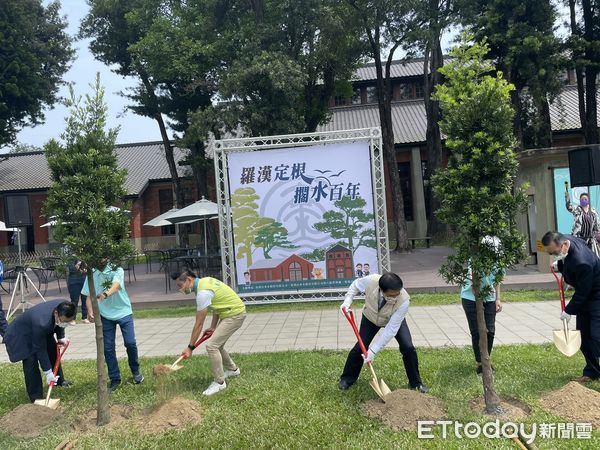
column 391, row 300
column 560, row 256
column 63, row 324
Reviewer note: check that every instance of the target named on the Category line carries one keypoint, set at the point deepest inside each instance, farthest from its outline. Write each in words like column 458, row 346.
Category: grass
column 290, row 400
column 434, row 299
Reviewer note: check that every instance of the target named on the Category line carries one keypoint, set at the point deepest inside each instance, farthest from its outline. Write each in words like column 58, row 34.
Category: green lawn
column 416, row 300
column 290, row 400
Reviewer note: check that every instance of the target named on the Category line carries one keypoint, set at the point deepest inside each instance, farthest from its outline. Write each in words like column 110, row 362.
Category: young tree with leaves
column 273, row 235
column 477, row 190
column 86, row 182
column 35, row 52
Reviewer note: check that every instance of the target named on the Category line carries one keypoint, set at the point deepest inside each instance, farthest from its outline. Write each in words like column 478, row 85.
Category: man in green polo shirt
column 229, row 313
column 115, row 309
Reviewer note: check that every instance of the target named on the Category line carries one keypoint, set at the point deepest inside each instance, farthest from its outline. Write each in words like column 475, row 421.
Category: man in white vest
column 386, row 305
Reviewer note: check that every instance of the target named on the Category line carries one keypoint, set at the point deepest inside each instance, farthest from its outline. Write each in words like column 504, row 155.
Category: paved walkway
column 431, row 326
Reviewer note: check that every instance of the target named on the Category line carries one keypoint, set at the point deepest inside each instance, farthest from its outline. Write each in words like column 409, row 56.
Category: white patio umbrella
column 201, row 210
column 52, row 222
column 3, row 227
column 160, row 221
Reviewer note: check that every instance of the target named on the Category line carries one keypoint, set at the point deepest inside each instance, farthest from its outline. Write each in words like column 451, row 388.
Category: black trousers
column 367, row 331
column 588, row 323
column 489, row 311
column 31, row 370
column 3, row 323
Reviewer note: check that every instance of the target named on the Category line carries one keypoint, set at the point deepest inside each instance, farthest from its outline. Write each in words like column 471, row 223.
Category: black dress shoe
column 344, row 385
column 421, row 388
column 66, row 383
column 114, row 384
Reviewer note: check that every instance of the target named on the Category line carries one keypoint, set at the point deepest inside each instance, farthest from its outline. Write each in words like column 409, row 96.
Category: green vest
column 225, row 303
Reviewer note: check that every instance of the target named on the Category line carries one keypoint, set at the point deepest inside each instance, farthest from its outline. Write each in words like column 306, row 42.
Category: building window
column 356, row 98
column 405, row 182
column 340, row 272
column 371, row 94
column 340, row 100
column 295, row 272
column 405, row 91
column 419, row 91
column 165, row 203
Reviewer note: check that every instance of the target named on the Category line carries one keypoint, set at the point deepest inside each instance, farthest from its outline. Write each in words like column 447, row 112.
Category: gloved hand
column 554, row 266
column 50, row 378
column 565, row 316
column 345, row 305
column 369, row 358
column 63, row 341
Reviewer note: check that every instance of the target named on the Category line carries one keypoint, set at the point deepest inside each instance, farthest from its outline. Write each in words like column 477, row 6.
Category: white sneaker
column 214, row 387
column 232, row 373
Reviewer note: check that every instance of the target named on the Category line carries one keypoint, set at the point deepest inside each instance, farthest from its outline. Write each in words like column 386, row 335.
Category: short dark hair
column 390, row 282
column 67, row 310
column 584, row 194
column 183, row 275
column 246, row 273
column 359, row 264
column 367, row 264
column 553, row 236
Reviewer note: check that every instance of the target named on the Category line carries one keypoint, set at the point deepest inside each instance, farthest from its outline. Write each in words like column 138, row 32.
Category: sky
column 82, row 73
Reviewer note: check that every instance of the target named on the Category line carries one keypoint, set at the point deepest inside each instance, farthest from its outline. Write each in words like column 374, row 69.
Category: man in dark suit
column 30, row 338
column 581, row 269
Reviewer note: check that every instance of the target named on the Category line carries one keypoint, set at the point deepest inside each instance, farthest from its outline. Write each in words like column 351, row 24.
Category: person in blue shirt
column 75, row 282
column 115, row 309
column 492, row 305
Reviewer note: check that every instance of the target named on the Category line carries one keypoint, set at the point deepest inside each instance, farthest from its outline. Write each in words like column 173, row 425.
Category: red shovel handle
column 349, row 314
column 59, row 355
column 207, row 334
column 561, row 287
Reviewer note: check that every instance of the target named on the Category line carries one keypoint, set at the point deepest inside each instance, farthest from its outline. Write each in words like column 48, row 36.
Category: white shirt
column 391, row 329
column 204, row 299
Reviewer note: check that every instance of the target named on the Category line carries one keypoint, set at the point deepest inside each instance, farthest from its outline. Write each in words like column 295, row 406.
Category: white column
column 418, row 192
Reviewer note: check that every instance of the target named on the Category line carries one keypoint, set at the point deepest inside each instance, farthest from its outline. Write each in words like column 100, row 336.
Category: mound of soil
column 510, row 408
column 28, row 421
column 403, row 408
column 172, row 415
column 118, row 415
column 575, row 402
column 161, row 369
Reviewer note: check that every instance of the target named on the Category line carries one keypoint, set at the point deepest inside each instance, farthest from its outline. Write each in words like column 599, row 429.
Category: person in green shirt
column 229, row 313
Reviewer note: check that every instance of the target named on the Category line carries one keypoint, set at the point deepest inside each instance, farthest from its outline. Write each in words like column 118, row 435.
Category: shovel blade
column 567, row 341
column 385, row 390
column 375, row 385
column 52, row 403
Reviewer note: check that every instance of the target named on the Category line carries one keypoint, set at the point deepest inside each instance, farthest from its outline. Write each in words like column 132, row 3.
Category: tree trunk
column 515, row 97
column 544, row 132
column 431, row 79
column 578, row 70
column 102, row 409
column 492, row 401
column 591, row 72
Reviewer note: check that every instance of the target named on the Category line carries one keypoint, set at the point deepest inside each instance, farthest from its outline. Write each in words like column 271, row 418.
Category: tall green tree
column 273, row 235
column 384, row 29
column 35, row 52
column 520, row 34
column 86, row 181
column 477, row 190
column 349, row 223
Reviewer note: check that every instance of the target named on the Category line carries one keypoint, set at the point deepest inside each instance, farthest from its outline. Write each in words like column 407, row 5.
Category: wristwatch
column 105, row 295
column 191, row 347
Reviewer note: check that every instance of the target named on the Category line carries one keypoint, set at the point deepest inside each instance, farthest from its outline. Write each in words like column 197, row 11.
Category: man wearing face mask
column 228, row 314
column 586, row 218
column 580, row 269
column 386, row 305
column 30, row 338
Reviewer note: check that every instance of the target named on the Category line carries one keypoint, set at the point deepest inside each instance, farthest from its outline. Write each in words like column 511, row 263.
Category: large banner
column 303, row 217
column 564, row 219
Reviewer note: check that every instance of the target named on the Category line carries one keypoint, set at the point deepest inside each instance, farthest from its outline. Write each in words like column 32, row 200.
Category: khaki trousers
column 217, row 356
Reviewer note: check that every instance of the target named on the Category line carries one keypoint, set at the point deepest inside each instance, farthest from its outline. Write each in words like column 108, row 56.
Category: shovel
column 52, row 403
column 176, row 366
column 566, row 341
column 379, row 386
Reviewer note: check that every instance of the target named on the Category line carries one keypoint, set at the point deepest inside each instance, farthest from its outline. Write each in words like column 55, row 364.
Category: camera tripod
column 21, row 284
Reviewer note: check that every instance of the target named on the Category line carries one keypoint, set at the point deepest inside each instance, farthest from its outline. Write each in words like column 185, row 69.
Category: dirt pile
column 118, row 415
column 161, row 369
column 172, row 415
column 510, row 408
column 575, row 402
column 403, row 408
column 28, row 421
